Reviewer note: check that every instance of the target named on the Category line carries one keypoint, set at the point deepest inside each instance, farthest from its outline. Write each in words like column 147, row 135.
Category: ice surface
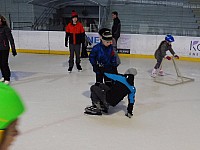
column 165, row 117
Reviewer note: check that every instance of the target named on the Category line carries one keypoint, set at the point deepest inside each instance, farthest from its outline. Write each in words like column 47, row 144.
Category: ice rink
column 165, row 117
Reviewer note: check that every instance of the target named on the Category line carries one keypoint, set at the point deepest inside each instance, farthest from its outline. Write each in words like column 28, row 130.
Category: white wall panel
column 137, row 43
column 15, row 34
column 57, row 41
column 141, row 44
column 34, row 40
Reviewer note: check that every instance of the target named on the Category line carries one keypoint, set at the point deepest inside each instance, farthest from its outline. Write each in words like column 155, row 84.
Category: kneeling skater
column 103, row 96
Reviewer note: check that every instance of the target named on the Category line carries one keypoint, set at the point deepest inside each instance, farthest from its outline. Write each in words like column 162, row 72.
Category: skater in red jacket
column 76, row 35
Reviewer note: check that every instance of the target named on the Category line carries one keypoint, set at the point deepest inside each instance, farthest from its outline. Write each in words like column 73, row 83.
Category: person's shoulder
column 97, row 46
column 163, row 43
column 111, row 46
column 69, row 24
column 118, row 19
column 79, row 24
column 6, row 28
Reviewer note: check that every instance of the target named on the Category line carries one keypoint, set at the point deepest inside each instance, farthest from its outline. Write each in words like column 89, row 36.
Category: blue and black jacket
column 119, row 90
column 102, row 56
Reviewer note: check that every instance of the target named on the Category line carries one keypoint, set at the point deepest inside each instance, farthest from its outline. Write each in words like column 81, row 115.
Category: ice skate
column 2, row 79
column 79, row 68
column 161, row 73
column 129, row 114
column 6, row 82
column 104, row 108
column 92, row 110
column 70, row 69
column 154, row 73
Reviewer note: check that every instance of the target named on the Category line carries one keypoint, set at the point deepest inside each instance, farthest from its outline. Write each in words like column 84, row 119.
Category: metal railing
column 22, row 25
column 43, row 18
column 178, row 3
column 154, row 30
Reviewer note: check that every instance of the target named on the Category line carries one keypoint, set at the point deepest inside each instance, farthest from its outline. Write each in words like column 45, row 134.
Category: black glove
column 14, row 52
column 129, row 112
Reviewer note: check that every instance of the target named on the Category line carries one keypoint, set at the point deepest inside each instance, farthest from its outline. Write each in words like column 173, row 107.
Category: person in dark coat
column 116, row 27
column 103, row 96
column 84, row 53
column 6, row 40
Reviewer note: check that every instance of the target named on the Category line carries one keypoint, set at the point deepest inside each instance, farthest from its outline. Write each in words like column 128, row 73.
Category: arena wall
column 129, row 45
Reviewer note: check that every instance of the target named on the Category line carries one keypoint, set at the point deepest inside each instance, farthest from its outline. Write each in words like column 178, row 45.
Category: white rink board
column 57, row 41
column 141, row 44
column 34, row 40
column 137, row 43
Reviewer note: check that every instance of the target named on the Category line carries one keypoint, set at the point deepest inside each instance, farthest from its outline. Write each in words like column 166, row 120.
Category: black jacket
column 116, row 28
column 116, row 93
column 5, row 37
column 119, row 89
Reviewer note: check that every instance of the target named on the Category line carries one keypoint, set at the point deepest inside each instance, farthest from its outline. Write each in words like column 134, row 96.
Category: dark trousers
column 116, row 39
column 5, row 70
column 74, row 48
column 159, row 61
column 101, row 78
column 98, row 95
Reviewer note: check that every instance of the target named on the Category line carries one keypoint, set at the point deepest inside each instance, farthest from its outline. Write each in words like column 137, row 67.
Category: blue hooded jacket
column 103, row 56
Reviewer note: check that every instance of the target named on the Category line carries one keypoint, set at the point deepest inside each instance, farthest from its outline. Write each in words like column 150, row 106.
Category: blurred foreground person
column 11, row 107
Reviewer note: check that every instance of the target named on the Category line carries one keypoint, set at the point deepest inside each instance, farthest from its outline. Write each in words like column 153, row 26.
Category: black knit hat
column 102, row 30
column 107, row 36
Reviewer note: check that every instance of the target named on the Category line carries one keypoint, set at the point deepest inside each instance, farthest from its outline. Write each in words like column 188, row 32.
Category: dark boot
column 79, row 68
column 70, row 69
column 92, row 110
